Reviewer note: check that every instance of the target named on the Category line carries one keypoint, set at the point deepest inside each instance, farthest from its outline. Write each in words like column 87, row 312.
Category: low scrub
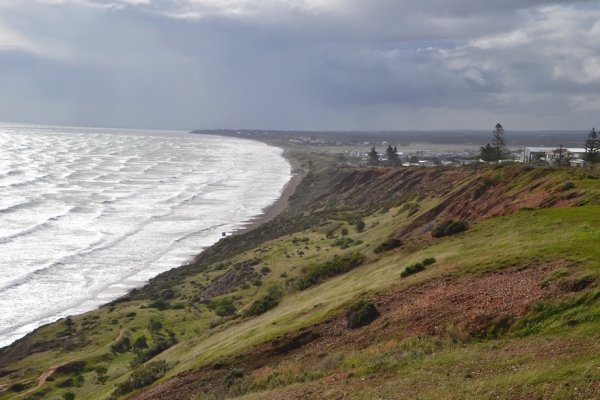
column 360, row 314
column 448, row 228
column 417, row 267
column 316, row 274
column 345, row 242
column 122, row 346
column 158, row 347
column 229, row 379
column 388, row 244
column 142, row 376
column 222, row 307
column 264, row 303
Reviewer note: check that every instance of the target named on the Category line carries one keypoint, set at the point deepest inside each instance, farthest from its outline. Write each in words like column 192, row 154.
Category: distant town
column 428, row 149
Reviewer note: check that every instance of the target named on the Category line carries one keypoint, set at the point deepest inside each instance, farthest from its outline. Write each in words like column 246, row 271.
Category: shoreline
column 269, row 213
column 282, row 202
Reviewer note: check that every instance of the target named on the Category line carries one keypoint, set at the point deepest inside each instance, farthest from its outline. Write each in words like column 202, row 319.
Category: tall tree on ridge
column 392, row 156
column 373, row 157
column 592, row 147
column 501, row 151
column 487, row 153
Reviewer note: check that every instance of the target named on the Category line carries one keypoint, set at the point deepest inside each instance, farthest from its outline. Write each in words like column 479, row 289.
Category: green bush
column 261, row 305
column 360, row 314
column 130, row 315
column 265, row 270
column 448, row 228
column 122, row 346
column 140, row 343
column 17, row 387
column 68, row 396
column 428, row 261
column 265, row 303
column 388, row 244
column 158, row 347
column 257, row 282
column 360, row 226
column 343, row 242
column 142, row 376
column 159, row 304
column 566, row 186
column 316, row 274
column 222, row 307
column 412, row 269
column 231, row 376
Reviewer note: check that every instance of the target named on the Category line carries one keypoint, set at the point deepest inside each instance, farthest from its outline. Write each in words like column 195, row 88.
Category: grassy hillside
column 505, row 309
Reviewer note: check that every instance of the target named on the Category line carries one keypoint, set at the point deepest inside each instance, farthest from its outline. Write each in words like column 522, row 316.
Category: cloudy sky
column 301, row 64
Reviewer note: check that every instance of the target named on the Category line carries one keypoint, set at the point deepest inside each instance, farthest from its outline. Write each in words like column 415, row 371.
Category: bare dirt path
column 42, row 379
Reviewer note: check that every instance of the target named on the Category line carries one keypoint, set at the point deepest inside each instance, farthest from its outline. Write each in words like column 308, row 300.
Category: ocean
column 86, row 214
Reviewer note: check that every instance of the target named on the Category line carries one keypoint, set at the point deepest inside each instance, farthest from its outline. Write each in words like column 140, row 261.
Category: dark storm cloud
column 312, row 64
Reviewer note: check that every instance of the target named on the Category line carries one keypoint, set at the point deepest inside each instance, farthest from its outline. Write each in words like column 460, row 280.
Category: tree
column 360, row 225
column 501, row 151
column 592, row 147
column 373, row 157
column 487, row 153
column 392, row 155
column 69, row 396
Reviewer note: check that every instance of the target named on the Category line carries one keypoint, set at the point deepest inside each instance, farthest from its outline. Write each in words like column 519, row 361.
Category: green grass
column 460, row 366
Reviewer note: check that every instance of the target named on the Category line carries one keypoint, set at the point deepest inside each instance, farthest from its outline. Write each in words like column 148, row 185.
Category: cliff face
column 515, row 279
column 469, row 195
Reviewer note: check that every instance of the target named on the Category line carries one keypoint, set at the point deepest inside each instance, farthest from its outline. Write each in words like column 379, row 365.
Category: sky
column 301, row 64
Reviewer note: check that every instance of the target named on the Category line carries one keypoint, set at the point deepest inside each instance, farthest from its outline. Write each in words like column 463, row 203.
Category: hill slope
column 506, row 308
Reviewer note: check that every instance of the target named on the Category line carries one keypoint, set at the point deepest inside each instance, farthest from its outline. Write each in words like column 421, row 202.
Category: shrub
column 159, row 346
column 360, row 314
column 154, row 326
column 231, row 376
column 360, row 226
column 428, row 261
column 72, row 368
column 222, row 307
column 69, row 396
column 140, row 343
column 262, row 305
column 388, row 244
column 412, row 269
column 101, row 371
column 265, row 270
column 122, row 346
column 316, row 274
column 330, row 234
column 448, row 228
column 257, row 282
column 344, row 232
column 566, row 186
column 159, row 304
column 130, row 315
column 343, row 242
column 17, row 387
column 142, row 376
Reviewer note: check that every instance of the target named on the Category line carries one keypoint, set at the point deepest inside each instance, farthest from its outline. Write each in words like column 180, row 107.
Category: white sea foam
column 87, row 214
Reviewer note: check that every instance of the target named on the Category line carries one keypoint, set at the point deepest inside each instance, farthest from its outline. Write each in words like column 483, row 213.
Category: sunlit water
column 86, row 214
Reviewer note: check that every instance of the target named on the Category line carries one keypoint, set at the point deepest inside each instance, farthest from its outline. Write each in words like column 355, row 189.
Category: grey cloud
column 301, row 65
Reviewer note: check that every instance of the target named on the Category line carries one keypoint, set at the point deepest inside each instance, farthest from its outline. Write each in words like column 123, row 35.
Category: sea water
column 87, row 214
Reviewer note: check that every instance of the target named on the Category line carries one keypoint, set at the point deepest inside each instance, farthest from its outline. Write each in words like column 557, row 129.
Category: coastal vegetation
column 483, row 279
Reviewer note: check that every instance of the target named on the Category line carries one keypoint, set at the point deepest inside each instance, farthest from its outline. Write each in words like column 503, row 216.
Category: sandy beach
column 281, row 204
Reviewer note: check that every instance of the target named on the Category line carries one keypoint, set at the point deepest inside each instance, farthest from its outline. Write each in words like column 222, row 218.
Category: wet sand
column 281, row 204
